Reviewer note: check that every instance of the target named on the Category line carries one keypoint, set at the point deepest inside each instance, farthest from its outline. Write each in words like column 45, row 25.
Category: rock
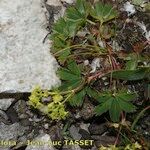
column 10, row 133
column 4, row 118
column 12, row 115
column 55, row 133
column 45, row 141
column 74, row 132
column 46, row 126
column 73, row 147
column 103, row 140
column 25, row 60
column 97, row 129
column 87, row 111
column 85, row 134
column 5, row 103
column 68, row 1
column 85, row 126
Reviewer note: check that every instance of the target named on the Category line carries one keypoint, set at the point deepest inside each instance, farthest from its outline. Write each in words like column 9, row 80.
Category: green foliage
column 76, row 18
column 71, row 75
column 136, row 74
column 75, row 84
column 55, row 109
column 115, row 103
column 79, row 36
column 78, row 14
column 103, row 12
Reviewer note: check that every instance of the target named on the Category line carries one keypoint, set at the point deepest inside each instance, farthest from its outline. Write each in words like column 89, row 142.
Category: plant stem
column 75, row 89
column 91, row 22
column 138, row 117
column 67, row 97
column 72, row 46
column 72, row 92
column 117, row 138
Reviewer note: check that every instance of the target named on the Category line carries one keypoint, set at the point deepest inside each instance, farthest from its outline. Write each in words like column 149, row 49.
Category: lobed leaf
column 78, row 98
column 137, row 74
column 102, row 108
column 115, row 110
column 115, row 104
column 103, row 12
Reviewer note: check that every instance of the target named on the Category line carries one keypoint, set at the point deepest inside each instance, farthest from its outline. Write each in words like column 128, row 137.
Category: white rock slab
column 24, row 60
column 5, row 103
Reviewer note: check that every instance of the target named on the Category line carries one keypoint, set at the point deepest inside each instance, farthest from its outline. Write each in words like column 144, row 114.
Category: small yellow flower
column 57, row 98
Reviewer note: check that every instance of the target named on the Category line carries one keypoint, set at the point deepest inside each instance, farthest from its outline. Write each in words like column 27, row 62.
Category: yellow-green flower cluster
column 55, row 108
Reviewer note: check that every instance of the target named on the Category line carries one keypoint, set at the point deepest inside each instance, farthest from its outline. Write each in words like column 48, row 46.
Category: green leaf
column 63, row 56
column 92, row 93
column 103, row 12
column 103, row 97
column 60, row 28
column 72, row 27
column 102, row 108
column 74, row 15
column 71, row 76
column 115, row 103
column 137, row 74
column 69, row 85
column 79, row 13
column 115, row 110
column 73, row 67
column 58, row 44
column 83, row 7
column 131, row 65
column 65, row 74
column 133, row 62
column 78, row 98
column 126, row 96
column 126, row 106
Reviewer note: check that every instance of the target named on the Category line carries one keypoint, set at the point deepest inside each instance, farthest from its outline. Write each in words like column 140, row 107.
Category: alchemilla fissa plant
column 81, row 35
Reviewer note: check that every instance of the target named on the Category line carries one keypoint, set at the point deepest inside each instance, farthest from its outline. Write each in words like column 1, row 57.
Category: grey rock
column 55, row 133
column 73, row 147
column 21, row 108
column 5, row 103
column 103, row 140
column 11, row 131
column 12, row 115
column 46, row 126
column 85, row 134
column 25, row 122
column 4, row 118
column 87, row 111
column 74, row 132
column 68, row 1
column 45, row 141
column 97, row 129
column 25, row 60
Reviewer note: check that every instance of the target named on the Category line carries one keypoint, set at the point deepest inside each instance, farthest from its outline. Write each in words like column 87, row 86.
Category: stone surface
column 43, row 138
column 11, row 132
column 97, row 129
column 72, row 147
column 5, row 103
column 24, row 60
column 74, row 132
